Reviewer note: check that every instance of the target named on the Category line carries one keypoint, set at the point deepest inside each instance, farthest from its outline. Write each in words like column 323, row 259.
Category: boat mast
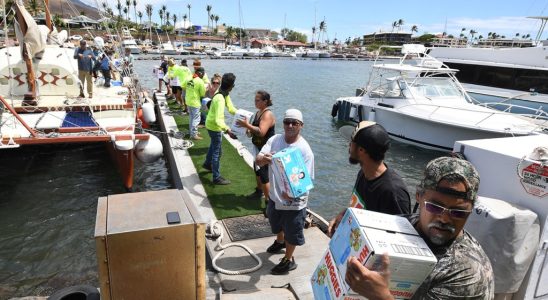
column 31, row 96
column 48, row 16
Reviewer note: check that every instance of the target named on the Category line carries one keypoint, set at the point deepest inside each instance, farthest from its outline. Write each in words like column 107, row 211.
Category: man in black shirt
column 377, row 187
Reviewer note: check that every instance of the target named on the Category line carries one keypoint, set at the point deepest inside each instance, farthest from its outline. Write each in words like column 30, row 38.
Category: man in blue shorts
column 285, row 214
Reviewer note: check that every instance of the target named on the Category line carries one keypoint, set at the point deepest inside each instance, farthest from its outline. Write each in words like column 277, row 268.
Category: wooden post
column 48, row 15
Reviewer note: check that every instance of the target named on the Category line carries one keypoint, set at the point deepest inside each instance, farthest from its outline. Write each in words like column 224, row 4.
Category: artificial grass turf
column 227, row 201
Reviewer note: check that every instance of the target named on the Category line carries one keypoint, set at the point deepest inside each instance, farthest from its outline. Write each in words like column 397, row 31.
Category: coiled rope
column 217, row 232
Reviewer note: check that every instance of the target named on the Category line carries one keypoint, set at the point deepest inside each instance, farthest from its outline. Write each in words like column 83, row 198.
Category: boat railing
column 535, row 113
column 488, row 114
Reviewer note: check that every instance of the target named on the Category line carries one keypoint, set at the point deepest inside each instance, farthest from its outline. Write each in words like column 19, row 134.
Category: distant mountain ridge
column 62, row 8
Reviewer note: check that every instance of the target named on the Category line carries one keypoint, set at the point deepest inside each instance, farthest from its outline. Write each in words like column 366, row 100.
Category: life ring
column 335, row 109
column 76, row 292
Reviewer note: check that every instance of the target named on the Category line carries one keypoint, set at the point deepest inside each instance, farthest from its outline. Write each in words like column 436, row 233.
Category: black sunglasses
column 453, row 213
column 215, row 82
column 292, row 122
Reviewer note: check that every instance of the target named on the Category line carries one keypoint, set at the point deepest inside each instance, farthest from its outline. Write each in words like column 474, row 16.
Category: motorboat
column 253, row 52
column 419, row 101
column 128, row 42
column 324, row 54
column 509, row 75
column 168, row 49
column 49, row 110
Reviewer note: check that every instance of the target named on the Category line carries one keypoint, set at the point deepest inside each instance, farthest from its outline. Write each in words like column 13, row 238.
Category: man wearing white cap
column 286, row 215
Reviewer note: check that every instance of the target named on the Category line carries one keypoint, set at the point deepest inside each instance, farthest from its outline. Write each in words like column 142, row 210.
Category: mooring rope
column 217, row 232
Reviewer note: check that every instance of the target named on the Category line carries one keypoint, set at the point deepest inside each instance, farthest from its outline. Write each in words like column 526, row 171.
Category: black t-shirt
column 385, row 194
column 164, row 66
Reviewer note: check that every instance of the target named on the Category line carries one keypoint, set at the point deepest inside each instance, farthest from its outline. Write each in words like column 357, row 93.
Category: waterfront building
column 392, row 38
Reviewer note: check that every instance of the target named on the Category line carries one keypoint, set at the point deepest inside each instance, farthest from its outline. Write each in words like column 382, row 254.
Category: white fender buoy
column 150, row 150
column 148, row 112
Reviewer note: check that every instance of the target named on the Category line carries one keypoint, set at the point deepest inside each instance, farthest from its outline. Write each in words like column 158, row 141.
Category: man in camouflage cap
column 446, row 197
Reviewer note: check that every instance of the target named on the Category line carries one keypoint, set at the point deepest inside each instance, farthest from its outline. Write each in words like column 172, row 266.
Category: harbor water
column 48, row 195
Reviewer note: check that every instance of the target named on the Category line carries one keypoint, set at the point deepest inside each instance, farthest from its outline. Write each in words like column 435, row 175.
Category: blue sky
column 353, row 18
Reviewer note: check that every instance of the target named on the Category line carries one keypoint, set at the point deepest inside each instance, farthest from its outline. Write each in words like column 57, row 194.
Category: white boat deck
column 113, row 97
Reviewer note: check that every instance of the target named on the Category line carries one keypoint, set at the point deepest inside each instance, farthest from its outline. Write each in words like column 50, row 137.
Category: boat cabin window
column 435, row 87
column 17, row 71
column 55, row 71
column 4, row 81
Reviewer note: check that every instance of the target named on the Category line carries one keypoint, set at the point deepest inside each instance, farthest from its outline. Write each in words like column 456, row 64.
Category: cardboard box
column 240, row 114
column 291, row 173
column 366, row 235
column 327, row 282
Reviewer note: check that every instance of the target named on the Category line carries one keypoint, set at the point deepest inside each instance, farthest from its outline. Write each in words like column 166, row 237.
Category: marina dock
column 256, row 284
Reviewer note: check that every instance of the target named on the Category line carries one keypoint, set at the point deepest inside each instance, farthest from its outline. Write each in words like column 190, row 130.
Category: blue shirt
column 85, row 63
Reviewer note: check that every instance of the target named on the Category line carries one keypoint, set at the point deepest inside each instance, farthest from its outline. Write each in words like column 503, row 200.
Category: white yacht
column 420, row 101
column 168, row 49
column 128, row 42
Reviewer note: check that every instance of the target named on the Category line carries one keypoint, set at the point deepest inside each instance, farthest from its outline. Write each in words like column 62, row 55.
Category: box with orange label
column 327, row 282
column 366, row 235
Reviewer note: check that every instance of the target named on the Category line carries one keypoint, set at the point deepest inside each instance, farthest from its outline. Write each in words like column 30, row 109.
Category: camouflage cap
column 441, row 167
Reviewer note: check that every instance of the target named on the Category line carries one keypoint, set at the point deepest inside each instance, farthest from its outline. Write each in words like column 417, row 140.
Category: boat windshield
column 435, row 87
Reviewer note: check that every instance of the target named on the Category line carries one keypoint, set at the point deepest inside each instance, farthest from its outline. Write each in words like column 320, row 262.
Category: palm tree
column 323, row 27
column 174, row 17
column 189, row 6
column 212, row 18
column 208, row 9
column 140, row 16
column 126, row 11
column 34, row 7
column 184, row 20
column 394, row 25
column 148, row 12
column 135, row 10
column 128, row 5
column 119, row 8
column 313, row 34
column 400, row 24
column 161, row 14
column 167, row 18
column 472, row 33
column 414, row 28
column 216, row 20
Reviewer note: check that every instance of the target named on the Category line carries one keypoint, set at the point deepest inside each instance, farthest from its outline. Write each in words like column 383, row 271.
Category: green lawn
column 231, row 200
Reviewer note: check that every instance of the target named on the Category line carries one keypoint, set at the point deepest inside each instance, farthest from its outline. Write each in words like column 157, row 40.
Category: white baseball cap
column 294, row 114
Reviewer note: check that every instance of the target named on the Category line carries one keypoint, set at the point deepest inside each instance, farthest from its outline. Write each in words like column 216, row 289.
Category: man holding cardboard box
column 286, row 213
column 446, row 196
column 377, row 188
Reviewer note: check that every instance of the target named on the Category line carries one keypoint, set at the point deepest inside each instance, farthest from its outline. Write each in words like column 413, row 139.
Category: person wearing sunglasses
column 211, row 89
column 446, row 197
column 286, row 215
column 378, row 187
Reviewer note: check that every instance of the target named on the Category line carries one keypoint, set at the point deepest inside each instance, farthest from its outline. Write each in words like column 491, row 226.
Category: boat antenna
column 445, row 28
column 543, row 21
